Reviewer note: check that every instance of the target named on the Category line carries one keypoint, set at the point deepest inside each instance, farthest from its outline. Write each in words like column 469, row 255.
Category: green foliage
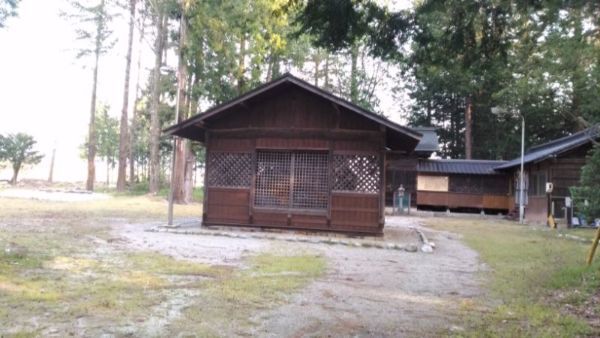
column 17, row 149
column 538, row 58
column 93, row 27
column 107, row 134
column 8, row 8
column 589, row 188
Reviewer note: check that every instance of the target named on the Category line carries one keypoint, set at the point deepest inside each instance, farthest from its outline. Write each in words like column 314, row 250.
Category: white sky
column 45, row 91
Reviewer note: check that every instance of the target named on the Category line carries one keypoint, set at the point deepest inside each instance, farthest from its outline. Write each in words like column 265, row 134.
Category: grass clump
column 269, row 277
column 528, row 268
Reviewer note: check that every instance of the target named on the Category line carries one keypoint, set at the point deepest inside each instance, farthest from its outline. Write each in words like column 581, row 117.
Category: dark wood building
column 401, row 166
column 290, row 155
column 558, row 162
column 462, row 185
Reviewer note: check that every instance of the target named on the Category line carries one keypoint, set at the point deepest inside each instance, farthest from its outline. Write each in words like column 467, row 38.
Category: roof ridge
column 592, row 129
column 462, row 160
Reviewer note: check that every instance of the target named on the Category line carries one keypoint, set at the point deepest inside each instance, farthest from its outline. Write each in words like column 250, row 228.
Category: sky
column 45, row 91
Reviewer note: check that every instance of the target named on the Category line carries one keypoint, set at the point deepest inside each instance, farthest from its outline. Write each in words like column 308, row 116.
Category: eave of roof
column 457, row 166
column 198, row 119
column 555, row 147
column 429, row 142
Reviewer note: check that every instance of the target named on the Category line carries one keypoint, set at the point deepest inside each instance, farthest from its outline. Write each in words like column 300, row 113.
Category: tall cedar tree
column 94, row 33
column 123, row 137
column 158, row 9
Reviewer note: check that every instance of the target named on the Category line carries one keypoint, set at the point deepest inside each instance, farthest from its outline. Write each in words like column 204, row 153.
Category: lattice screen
column 273, row 171
column 292, row 180
column 356, row 173
column 233, row 170
column 310, row 181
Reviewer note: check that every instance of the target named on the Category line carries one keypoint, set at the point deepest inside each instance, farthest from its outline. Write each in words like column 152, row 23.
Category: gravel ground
column 365, row 291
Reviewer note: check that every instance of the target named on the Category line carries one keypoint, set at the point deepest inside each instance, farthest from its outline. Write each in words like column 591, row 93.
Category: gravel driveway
column 365, row 292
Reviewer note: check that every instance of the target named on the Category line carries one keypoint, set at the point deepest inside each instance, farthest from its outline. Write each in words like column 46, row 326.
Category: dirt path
column 365, row 292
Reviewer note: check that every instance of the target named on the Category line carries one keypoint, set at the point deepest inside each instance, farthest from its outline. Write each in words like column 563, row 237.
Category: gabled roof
column 194, row 125
column 467, row 167
column 555, row 147
column 429, row 142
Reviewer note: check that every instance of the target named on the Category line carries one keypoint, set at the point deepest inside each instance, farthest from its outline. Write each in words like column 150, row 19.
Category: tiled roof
column 429, row 142
column 472, row 167
column 555, row 147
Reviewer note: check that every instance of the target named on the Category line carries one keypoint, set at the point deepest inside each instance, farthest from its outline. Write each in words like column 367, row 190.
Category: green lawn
column 587, row 233
column 537, row 283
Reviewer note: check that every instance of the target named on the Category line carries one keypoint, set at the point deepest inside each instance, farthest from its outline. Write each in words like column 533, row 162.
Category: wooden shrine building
column 290, row 155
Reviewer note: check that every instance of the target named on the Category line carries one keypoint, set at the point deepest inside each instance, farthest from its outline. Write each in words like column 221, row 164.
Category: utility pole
column 51, row 174
column 522, row 178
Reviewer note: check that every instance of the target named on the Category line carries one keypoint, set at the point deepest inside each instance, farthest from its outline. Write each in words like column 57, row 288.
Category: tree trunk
column 16, row 169
column 123, row 138
column 353, row 74
column 181, row 144
column 317, row 63
column 241, row 64
column 132, row 133
column 51, row 174
column 154, row 170
column 107, row 173
column 91, row 175
column 326, row 71
column 188, row 183
column 270, row 67
column 469, row 128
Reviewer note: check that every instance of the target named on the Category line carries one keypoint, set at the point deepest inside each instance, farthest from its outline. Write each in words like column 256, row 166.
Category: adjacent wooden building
column 290, row 155
column 470, row 185
column 559, row 163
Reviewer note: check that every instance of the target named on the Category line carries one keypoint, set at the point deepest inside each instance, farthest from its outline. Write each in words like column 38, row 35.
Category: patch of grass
column 69, row 272
column 528, row 266
column 232, row 301
column 161, row 264
column 131, row 207
column 587, row 233
column 269, row 277
column 141, row 188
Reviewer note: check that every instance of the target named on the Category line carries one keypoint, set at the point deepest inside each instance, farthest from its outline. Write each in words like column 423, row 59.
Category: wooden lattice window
column 273, row 179
column 295, row 180
column 229, row 170
column 310, row 188
column 356, row 173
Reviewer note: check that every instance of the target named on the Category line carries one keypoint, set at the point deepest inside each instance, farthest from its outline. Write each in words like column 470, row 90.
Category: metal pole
column 521, row 195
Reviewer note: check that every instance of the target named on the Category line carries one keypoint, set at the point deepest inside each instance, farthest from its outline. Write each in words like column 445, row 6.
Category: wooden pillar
column 330, row 179
column 252, row 184
column 382, row 162
column 206, row 156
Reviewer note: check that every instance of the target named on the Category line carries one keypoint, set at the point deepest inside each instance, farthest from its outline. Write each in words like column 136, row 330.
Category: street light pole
column 522, row 178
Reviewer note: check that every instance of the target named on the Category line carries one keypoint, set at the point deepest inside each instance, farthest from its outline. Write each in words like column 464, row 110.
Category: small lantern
column 401, row 190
